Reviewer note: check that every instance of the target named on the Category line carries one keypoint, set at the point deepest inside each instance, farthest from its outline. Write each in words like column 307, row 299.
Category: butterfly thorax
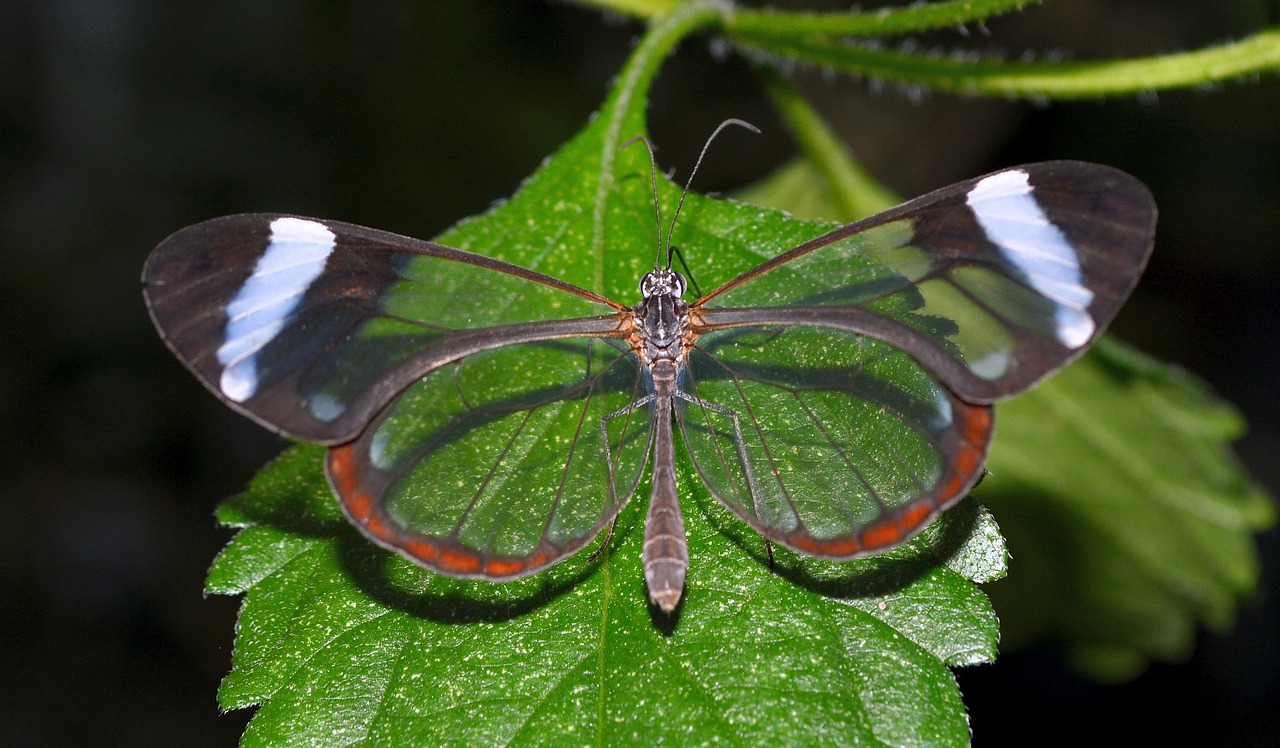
column 661, row 332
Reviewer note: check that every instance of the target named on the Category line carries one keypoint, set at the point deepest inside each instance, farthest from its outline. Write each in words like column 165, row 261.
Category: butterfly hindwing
column 310, row 327
column 503, row 462
column 828, row 442
column 992, row 283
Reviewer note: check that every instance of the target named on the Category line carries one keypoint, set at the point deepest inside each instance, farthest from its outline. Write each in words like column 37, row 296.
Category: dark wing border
column 1107, row 215
column 191, row 277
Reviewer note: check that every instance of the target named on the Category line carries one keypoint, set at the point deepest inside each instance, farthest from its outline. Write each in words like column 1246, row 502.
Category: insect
column 486, row 420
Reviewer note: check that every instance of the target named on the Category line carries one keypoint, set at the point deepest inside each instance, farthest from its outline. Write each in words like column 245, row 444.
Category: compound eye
column 679, row 284
column 646, row 285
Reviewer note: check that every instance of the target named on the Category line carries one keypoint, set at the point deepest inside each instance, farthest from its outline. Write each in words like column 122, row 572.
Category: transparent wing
column 503, row 462
column 992, row 283
column 310, row 327
column 826, row 441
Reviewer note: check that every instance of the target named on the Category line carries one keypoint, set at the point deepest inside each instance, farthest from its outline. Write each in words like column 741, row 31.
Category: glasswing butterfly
column 486, row 420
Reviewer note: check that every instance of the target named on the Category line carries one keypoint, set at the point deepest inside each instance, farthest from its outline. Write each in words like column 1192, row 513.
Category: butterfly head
column 662, row 282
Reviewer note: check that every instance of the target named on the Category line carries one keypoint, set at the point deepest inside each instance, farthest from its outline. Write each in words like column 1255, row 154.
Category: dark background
column 123, row 121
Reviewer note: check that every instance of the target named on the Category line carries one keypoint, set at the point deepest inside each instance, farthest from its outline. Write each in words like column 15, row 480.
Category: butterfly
column 486, row 420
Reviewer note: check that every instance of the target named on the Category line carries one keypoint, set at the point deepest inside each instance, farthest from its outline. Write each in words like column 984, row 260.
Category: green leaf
column 1130, row 520
column 340, row 642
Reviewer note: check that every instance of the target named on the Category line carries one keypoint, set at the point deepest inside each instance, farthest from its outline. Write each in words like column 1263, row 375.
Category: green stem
column 878, row 22
column 881, row 22
column 1065, row 80
column 824, row 39
column 635, row 8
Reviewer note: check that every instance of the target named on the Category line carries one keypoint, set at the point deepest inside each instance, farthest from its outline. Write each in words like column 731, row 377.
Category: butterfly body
column 662, row 333
column 486, row 420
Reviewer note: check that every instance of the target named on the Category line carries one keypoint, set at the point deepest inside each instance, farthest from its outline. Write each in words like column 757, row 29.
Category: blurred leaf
column 796, row 187
column 341, row 642
column 845, row 189
column 1129, row 517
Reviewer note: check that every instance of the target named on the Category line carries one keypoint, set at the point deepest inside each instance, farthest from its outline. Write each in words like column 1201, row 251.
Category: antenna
column 653, row 182
column 672, row 227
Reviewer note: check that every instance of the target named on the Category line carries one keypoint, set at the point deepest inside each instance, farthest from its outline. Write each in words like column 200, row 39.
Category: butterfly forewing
column 992, row 283
column 311, row 326
column 497, row 465
column 826, row 441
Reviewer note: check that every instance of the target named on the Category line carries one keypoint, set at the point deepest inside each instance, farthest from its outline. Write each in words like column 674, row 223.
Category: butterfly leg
column 604, row 544
column 740, row 444
column 608, row 456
